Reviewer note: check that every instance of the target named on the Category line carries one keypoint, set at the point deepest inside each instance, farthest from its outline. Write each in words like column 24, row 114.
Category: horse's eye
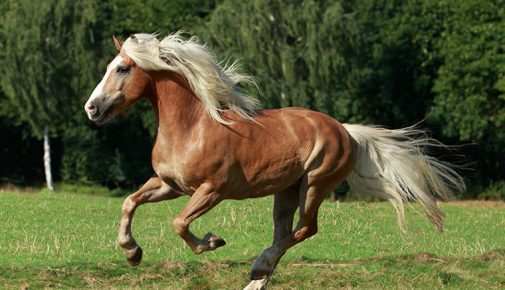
column 123, row 69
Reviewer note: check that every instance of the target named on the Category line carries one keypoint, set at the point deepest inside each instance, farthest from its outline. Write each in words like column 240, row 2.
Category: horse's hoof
column 214, row 241
column 135, row 259
column 257, row 285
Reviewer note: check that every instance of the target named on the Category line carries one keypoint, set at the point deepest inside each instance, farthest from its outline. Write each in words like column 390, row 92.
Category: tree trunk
column 47, row 159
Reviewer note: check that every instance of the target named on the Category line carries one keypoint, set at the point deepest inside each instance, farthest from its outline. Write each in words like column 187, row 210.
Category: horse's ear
column 117, row 43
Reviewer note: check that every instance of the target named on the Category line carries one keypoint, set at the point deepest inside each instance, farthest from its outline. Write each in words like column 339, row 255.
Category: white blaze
column 98, row 91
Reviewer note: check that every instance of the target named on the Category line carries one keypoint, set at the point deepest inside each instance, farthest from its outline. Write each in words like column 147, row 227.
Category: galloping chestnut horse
column 213, row 144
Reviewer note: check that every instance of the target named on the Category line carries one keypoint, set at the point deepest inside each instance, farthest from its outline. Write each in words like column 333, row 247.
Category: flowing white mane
column 214, row 85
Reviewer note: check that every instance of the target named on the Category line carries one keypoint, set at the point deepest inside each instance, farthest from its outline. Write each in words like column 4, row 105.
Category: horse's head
column 123, row 84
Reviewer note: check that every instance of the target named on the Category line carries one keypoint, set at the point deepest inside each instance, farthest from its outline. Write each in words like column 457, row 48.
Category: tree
column 470, row 88
column 291, row 48
column 42, row 45
column 387, row 82
column 388, row 62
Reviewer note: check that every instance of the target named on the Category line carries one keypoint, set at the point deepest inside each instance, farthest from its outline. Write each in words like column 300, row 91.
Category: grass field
column 65, row 240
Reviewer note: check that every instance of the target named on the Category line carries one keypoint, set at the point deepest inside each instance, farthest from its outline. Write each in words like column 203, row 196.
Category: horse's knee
column 180, row 225
column 128, row 205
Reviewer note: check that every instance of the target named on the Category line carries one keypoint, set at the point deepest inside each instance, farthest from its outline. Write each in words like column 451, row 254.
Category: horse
column 214, row 143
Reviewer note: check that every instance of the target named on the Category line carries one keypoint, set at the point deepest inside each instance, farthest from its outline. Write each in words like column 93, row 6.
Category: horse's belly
column 264, row 180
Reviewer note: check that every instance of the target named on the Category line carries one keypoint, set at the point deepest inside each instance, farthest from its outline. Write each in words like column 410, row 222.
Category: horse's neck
column 177, row 108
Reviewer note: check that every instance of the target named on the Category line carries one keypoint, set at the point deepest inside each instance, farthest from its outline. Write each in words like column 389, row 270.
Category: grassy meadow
column 66, row 240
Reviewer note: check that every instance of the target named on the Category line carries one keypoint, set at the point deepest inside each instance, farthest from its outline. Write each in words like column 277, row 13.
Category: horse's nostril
column 91, row 108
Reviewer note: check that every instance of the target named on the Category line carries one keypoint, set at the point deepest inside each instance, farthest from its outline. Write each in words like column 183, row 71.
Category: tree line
column 393, row 63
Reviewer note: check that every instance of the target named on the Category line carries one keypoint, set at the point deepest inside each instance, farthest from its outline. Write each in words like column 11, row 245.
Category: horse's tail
column 392, row 165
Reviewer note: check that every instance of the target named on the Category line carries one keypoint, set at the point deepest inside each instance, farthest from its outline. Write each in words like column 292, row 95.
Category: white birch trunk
column 47, row 159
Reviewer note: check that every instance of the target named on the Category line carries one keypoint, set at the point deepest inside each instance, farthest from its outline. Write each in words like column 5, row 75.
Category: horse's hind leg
column 204, row 199
column 310, row 198
column 153, row 190
column 285, row 204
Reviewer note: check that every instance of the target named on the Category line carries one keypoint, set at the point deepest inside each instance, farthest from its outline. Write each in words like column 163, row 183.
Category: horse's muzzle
column 92, row 110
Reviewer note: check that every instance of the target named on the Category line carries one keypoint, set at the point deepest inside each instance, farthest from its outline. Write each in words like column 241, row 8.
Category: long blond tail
column 392, row 165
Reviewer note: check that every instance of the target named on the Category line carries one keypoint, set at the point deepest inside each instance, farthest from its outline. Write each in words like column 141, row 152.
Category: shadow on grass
column 422, row 270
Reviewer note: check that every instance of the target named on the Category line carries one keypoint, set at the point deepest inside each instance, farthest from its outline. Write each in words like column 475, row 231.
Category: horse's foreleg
column 204, row 199
column 153, row 190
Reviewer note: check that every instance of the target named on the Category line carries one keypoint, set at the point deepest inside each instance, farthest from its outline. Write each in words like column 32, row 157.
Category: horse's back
column 325, row 141
column 312, row 130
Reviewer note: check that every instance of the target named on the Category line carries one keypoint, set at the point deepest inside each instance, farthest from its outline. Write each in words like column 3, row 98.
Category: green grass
column 67, row 240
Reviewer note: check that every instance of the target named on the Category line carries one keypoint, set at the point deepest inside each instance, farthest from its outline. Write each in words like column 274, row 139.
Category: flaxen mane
column 214, row 85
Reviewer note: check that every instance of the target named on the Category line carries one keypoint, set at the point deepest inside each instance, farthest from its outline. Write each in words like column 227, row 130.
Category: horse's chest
column 183, row 170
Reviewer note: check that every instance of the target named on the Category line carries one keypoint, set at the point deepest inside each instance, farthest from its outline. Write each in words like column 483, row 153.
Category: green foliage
column 392, row 63
column 40, row 44
column 470, row 103
column 469, row 94
column 288, row 47
column 115, row 155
